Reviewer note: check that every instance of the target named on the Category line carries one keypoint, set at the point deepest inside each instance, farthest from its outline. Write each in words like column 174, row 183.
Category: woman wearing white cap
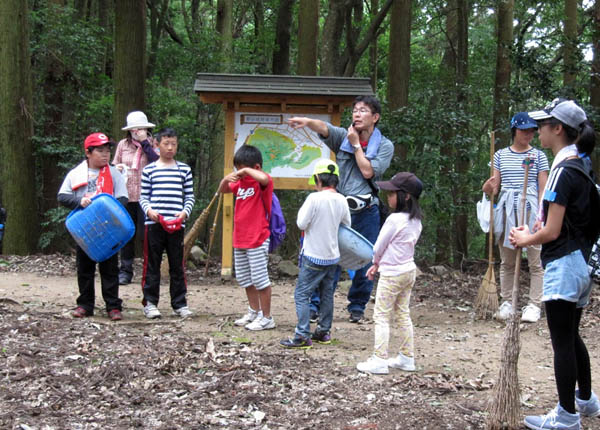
column 571, row 217
column 508, row 178
column 132, row 155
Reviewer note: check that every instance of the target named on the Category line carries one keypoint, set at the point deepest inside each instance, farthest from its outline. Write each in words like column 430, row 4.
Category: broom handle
column 515, row 291
column 212, row 234
column 491, row 232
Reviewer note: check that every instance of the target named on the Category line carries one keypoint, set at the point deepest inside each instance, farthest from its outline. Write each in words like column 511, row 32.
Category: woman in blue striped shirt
column 508, row 178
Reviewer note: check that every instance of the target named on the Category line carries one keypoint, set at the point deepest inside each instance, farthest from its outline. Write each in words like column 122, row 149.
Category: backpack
column 276, row 225
column 594, row 260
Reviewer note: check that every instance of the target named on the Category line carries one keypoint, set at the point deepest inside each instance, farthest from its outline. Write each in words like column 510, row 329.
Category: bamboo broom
column 504, row 411
column 212, row 234
column 190, row 237
column 486, row 301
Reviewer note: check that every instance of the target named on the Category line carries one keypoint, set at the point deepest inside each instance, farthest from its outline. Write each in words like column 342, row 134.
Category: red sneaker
column 115, row 315
column 79, row 312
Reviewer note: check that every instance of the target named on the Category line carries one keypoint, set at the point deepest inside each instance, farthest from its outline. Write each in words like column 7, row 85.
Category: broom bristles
column 486, row 301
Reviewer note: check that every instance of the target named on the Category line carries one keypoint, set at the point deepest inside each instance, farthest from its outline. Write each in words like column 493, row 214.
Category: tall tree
column 399, row 54
column 570, row 54
column 308, row 37
column 158, row 15
column 225, row 30
column 281, row 54
column 504, row 41
column 344, row 20
column 373, row 52
column 17, row 167
column 130, row 47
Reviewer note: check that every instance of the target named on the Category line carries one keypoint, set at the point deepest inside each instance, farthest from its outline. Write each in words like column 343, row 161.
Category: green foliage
column 54, row 235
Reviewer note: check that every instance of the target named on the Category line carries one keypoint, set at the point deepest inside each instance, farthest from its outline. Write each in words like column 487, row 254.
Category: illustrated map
column 287, row 153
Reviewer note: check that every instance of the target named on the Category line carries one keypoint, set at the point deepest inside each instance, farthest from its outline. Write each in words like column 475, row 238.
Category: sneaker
column 183, row 312
column 402, row 362
column 248, row 318
column 531, row 313
column 375, row 365
column 314, row 316
column 80, row 312
column 322, row 337
column 115, row 315
column 124, row 279
column 504, row 311
column 355, row 316
column 262, row 323
column 587, row 408
column 151, row 311
column 297, row 342
column 557, row 418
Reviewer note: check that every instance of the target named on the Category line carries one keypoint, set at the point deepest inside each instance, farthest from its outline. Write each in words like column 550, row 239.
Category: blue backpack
column 276, row 225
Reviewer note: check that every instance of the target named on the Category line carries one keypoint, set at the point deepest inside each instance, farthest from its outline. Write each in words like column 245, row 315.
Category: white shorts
column 251, row 266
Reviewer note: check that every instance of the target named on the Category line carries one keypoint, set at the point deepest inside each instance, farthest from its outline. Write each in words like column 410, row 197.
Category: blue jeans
column 366, row 223
column 319, row 279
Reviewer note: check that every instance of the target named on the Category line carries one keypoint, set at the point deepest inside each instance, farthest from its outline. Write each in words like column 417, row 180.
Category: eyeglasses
column 361, row 111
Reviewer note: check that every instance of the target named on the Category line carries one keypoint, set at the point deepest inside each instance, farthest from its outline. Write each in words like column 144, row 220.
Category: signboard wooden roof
column 213, row 87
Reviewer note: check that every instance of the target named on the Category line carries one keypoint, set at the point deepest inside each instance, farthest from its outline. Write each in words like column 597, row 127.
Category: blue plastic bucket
column 102, row 228
column 355, row 250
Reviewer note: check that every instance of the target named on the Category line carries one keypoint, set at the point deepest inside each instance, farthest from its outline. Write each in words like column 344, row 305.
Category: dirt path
column 448, row 340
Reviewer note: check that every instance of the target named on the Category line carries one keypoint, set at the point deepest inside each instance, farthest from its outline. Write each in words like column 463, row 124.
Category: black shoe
column 355, row 317
column 314, row 316
column 322, row 337
column 297, row 342
column 124, row 279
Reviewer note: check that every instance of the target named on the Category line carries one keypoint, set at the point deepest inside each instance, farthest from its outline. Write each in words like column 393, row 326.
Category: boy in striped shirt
column 167, row 199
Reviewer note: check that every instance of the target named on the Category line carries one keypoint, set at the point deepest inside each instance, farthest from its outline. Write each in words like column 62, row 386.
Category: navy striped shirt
column 167, row 189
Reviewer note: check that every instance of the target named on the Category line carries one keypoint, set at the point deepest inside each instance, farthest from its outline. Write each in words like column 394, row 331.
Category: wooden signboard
column 256, row 111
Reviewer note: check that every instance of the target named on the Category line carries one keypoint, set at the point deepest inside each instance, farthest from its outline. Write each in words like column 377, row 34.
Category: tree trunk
column 225, row 30
column 570, row 54
column 129, row 74
column 504, row 40
column 331, row 39
column 461, row 160
column 281, row 54
column 105, row 7
column 399, row 54
column 260, row 48
column 158, row 13
column 17, row 166
column 373, row 53
column 308, row 37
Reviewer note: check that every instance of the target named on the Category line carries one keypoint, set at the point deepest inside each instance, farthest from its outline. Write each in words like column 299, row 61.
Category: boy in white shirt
column 320, row 217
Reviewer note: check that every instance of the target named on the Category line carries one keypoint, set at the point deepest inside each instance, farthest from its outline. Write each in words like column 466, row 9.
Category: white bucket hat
column 137, row 119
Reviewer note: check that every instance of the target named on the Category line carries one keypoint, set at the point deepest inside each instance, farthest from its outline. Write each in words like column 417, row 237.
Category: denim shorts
column 567, row 278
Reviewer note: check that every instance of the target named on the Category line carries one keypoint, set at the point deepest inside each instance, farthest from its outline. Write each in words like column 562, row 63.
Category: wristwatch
column 356, row 147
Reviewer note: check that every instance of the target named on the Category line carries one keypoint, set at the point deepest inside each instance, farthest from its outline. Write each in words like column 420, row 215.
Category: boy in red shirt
column 253, row 191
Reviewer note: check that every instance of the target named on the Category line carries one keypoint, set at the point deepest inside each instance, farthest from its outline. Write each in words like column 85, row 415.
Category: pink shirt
column 395, row 246
column 126, row 154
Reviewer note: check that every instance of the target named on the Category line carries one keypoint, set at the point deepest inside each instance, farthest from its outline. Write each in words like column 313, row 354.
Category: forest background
column 448, row 73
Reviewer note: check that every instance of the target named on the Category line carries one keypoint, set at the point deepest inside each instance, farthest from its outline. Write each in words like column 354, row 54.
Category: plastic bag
column 483, row 213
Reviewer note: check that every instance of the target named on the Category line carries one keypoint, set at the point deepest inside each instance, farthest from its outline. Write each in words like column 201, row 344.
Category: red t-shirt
column 250, row 219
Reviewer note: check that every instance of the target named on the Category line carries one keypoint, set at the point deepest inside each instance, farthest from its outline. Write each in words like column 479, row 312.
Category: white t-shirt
column 320, row 217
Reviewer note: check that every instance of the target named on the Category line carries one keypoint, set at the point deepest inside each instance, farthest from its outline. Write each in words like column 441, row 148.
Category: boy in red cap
column 167, row 199
column 94, row 176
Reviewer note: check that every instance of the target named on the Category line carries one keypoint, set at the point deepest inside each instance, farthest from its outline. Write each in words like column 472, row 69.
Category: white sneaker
column 151, row 311
column 375, row 365
column 262, row 323
column 248, row 318
column 183, row 312
column 531, row 313
column 402, row 362
column 504, row 311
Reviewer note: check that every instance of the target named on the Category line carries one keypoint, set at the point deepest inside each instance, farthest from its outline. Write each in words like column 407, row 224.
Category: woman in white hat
column 132, row 155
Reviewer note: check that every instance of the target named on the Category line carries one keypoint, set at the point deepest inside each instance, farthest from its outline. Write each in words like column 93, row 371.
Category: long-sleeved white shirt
column 395, row 246
column 320, row 217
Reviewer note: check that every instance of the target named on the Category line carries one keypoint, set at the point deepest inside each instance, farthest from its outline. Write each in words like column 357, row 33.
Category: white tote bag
column 483, row 213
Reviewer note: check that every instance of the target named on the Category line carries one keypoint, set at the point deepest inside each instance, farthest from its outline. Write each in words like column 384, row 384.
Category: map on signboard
column 286, row 152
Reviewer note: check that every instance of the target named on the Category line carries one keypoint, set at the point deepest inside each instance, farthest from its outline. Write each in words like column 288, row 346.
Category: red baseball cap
column 97, row 139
